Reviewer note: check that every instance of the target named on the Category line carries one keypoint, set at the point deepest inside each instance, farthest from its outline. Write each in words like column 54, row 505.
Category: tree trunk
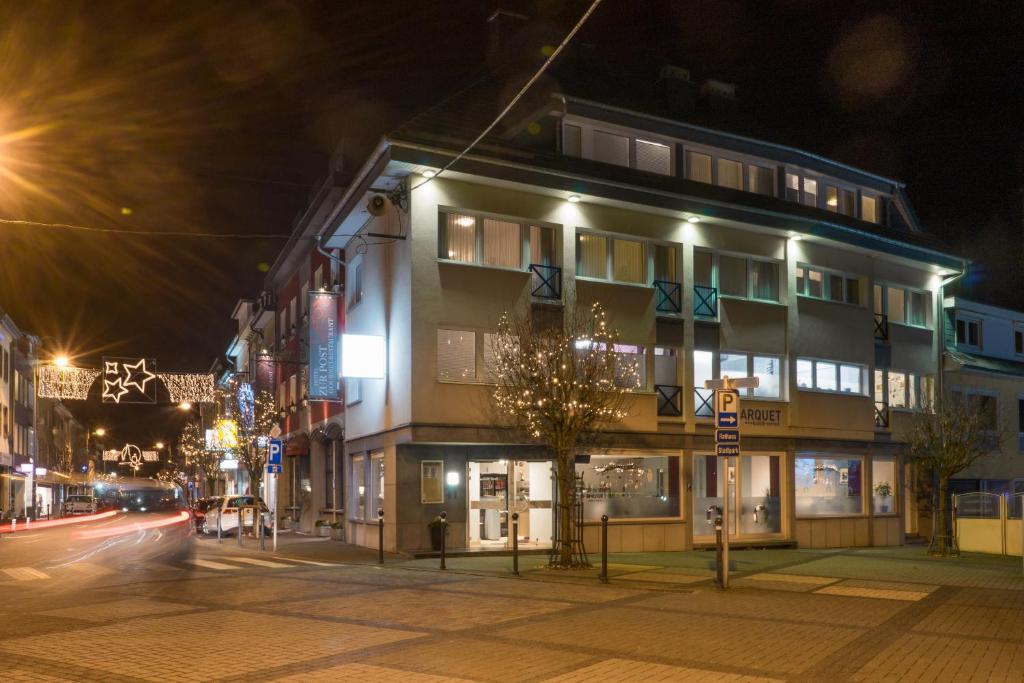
column 942, row 524
column 565, row 473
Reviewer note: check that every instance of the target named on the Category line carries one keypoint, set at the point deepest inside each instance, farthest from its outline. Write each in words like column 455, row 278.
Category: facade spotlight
column 693, row 219
column 429, row 173
column 573, row 199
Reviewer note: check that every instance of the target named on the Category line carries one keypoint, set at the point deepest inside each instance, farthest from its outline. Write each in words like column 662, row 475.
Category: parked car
column 79, row 504
column 226, row 511
column 200, row 507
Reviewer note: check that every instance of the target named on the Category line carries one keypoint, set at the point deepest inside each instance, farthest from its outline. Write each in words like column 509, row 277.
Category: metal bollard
column 719, row 568
column 380, row 535
column 263, row 533
column 604, row 549
column 240, row 518
column 444, row 536
column 515, row 544
column 219, row 526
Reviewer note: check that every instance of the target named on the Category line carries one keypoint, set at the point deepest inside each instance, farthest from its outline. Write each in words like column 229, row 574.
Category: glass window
column 825, row 376
column 376, row 499
column 730, row 174
column 665, row 263
column 895, row 300
column 625, row 486
column 897, row 389
column 868, row 209
column 630, row 366
column 810, row 192
column 503, row 244
column 849, row 379
column 456, row 355
column 760, row 501
column 759, row 180
column 804, row 373
column 732, row 275
column 665, row 366
column 610, row 148
column 733, row 365
column 917, row 308
column 458, row 238
column 828, row 486
column 815, row 284
column 703, row 369
column 765, row 280
column 708, row 492
column 792, row 187
column 542, row 245
column 654, row 157
column 852, row 291
column 628, row 261
column 912, row 391
column 883, row 486
column 831, row 198
column 698, row 167
column 768, row 370
column 835, row 287
column 847, row 202
column 801, row 280
column 703, row 267
column 591, row 255
column 358, row 488
column 571, row 140
column 432, row 481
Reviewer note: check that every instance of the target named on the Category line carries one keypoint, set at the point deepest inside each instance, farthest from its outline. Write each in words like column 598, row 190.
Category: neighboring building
column 9, row 334
column 60, row 441
column 715, row 254
column 22, row 498
column 984, row 366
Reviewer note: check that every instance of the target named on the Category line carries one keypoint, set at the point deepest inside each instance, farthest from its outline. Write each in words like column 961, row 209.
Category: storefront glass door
column 755, row 501
column 497, row 488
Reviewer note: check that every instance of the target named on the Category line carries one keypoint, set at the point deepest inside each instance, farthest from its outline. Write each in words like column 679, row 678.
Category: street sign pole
column 274, row 453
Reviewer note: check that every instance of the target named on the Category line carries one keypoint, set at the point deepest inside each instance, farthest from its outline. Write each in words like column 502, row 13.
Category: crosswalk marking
column 209, row 564
column 317, row 564
column 259, row 563
column 25, row 574
column 89, row 569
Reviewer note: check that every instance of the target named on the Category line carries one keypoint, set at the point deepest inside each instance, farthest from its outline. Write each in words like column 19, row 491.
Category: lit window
column 730, row 174
column 804, row 373
column 792, row 187
column 810, row 192
column 828, row 486
column 868, row 208
column 456, row 355
column 759, row 180
column 698, row 167
column 830, row 376
column 825, row 376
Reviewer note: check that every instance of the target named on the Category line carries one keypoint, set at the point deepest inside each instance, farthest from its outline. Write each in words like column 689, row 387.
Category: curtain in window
column 702, row 268
column 628, row 261
column 732, row 275
column 760, row 180
column 456, row 355
column 730, row 174
column 458, row 239
column 653, row 157
column 664, row 263
column 765, row 275
column 591, row 256
column 542, row 245
column 698, row 167
column 867, row 209
column 502, row 244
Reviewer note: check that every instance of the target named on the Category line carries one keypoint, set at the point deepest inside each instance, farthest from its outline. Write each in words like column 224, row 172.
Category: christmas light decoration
column 65, row 383
column 127, row 380
column 188, row 387
column 136, row 372
column 113, row 390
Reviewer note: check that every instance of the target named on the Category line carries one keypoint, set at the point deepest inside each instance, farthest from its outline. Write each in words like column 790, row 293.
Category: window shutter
column 456, row 355
column 611, row 149
column 653, row 157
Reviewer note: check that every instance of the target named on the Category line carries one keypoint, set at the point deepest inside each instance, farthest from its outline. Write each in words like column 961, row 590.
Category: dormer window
column 869, row 208
column 968, row 332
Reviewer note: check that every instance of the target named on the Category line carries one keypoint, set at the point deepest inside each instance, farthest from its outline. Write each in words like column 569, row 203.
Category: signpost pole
column 276, row 518
column 725, row 529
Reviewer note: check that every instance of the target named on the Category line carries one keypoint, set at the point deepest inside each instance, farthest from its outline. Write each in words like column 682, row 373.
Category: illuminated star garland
column 188, row 386
column 65, row 383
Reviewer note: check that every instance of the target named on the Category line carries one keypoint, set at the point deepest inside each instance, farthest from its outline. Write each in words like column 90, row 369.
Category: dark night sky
column 219, row 117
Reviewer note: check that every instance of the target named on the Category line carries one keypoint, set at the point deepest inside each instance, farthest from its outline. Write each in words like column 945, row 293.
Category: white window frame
column 913, row 388
column 907, row 291
column 588, row 127
column 838, row 377
column 609, row 256
column 826, row 285
column 716, row 370
column 750, row 259
column 475, row 379
column 968, row 320
column 478, row 254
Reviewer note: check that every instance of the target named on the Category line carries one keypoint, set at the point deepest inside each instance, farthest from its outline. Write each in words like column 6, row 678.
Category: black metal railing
column 670, row 400
column 881, row 327
column 881, row 415
column 705, row 301
column 703, row 402
column 545, row 281
column 668, row 296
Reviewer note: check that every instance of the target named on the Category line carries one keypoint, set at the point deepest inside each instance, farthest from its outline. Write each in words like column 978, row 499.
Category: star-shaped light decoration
column 132, row 372
column 110, row 367
column 109, row 386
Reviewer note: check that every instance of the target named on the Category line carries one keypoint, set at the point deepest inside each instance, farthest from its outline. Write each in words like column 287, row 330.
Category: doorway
column 497, row 488
column 754, row 489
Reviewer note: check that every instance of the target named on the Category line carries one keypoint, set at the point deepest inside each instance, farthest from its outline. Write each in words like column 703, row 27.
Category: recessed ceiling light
column 693, row 219
column 573, row 199
column 796, row 238
column 429, row 173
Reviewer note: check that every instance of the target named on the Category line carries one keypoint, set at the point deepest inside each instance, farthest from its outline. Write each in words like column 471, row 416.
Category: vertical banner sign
column 324, row 382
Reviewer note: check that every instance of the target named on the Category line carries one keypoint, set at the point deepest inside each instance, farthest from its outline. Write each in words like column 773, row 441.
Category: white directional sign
column 727, row 423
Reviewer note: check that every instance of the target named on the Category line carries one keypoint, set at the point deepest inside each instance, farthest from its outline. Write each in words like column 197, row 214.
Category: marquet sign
column 324, row 354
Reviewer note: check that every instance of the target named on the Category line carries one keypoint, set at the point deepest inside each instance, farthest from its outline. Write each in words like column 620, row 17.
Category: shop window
column 828, row 486
column 456, row 355
column 630, row 486
column 432, row 481
column 358, row 493
column 883, row 486
column 760, row 496
column 376, row 498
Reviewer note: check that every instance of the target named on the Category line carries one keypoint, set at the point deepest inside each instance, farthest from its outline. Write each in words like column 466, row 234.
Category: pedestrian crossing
column 90, row 570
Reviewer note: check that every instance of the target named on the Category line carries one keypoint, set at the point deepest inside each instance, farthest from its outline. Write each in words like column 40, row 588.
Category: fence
column 989, row 523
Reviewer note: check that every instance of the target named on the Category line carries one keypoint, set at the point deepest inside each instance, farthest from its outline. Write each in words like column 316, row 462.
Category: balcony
column 705, row 301
column 881, row 327
column 881, row 415
column 670, row 400
column 668, row 297
column 545, row 281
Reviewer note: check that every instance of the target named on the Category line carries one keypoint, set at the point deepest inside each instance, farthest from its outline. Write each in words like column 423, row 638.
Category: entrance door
column 754, row 490
column 497, row 488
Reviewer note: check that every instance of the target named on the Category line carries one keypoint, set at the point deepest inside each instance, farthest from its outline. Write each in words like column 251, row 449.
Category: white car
column 79, row 505
column 227, row 514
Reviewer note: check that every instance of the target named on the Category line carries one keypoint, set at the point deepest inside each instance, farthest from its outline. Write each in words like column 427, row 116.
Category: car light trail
column 63, row 521
column 106, row 532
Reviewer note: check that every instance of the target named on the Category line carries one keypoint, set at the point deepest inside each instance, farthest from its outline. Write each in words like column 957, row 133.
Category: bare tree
column 192, row 449
column 561, row 385
column 948, row 440
column 253, row 425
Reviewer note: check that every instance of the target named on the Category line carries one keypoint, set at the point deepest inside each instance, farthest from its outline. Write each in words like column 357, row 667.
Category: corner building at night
column 714, row 254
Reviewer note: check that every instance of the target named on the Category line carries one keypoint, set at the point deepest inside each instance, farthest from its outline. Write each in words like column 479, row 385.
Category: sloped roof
column 970, row 361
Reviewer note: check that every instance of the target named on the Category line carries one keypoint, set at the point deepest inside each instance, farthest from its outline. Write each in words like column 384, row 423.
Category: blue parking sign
column 276, row 450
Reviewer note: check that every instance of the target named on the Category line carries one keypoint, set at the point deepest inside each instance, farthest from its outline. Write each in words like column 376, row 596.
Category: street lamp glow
column 100, row 432
column 185, row 405
column 61, row 361
column 159, row 445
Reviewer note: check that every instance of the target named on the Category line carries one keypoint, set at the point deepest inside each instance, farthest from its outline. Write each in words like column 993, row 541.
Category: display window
column 630, row 486
column 828, row 486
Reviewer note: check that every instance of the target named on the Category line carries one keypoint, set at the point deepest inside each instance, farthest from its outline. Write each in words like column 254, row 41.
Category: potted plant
column 883, row 490
column 338, row 531
column 438, row 530
column 323, row 528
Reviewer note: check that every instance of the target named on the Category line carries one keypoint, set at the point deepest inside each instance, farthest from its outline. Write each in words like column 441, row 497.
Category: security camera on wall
column 378, row 205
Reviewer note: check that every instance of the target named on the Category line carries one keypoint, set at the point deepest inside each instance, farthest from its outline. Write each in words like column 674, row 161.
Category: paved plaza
column 317, row 613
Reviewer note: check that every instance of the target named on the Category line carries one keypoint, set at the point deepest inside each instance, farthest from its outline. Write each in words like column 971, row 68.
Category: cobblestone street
column 233, row 615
